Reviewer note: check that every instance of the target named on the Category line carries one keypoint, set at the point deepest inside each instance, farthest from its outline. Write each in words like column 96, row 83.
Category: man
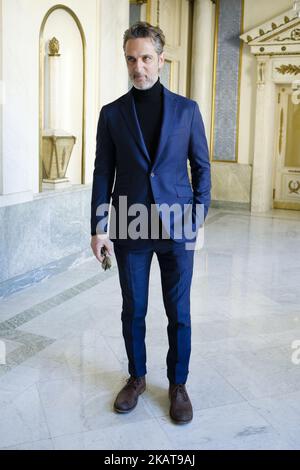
column 144, row 140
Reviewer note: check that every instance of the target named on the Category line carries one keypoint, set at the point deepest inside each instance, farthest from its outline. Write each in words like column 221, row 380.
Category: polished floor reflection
column 65, row 357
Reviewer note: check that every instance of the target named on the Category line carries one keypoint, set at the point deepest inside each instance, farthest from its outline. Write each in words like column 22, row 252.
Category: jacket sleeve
column 199, row 161
column 103, row 176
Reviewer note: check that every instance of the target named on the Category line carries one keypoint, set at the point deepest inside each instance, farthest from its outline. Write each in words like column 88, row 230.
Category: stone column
column 202, row 58
column 261, row 198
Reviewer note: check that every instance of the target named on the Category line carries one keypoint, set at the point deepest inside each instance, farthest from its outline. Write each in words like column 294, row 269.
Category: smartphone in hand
column 106, row 263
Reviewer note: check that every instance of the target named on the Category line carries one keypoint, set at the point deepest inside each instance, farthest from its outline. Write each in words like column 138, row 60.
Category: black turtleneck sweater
column 149, row 104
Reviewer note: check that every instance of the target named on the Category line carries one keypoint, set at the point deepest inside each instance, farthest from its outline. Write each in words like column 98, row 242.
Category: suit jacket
column 122, row 158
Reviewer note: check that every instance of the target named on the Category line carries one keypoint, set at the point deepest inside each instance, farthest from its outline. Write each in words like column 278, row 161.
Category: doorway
column 286, row 177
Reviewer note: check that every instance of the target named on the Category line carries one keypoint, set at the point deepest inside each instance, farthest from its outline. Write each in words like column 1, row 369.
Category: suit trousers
column 176, row 270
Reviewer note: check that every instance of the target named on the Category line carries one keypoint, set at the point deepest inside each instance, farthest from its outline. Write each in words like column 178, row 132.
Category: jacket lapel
column 130, row 116
column 168, row 120
column 131, row 119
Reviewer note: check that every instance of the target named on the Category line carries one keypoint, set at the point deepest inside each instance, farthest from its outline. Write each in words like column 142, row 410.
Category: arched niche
column 59, row 8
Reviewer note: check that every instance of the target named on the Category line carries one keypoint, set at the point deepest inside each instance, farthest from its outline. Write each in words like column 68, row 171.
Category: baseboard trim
column 230, row 205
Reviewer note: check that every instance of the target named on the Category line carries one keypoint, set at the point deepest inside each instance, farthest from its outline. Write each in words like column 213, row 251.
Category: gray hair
column 142, row 29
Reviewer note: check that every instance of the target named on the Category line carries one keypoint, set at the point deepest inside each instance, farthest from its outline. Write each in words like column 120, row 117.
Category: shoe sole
column 124, row 411
column 179, row 421
column 118, row 410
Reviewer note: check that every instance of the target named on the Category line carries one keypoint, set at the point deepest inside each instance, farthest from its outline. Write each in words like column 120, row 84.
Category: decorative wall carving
column 294, row 36
column 294, row 186
column 261, row 73
column 53, row 47
column 288, row 69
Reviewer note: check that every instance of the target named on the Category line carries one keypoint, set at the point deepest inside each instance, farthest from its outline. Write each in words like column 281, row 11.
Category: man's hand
column 97, row 242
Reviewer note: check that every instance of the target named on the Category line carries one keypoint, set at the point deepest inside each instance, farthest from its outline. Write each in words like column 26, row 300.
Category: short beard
column 147, row 84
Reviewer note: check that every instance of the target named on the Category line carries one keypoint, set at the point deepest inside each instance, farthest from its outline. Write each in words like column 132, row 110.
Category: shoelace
column 180, row 389
column 133, row 381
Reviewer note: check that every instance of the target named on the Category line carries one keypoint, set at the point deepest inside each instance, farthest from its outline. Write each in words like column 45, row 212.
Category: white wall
column 1, row 99
column 103, row 22
column 114, row 20
column 255, row 13
column 112, row 71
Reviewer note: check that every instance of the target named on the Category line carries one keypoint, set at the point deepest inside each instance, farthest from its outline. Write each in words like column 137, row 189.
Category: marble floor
column 65, row 357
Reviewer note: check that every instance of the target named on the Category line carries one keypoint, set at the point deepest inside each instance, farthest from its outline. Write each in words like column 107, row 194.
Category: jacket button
column 152, row 174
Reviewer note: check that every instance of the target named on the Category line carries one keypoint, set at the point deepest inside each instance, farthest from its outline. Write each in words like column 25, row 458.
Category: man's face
column 143, row 62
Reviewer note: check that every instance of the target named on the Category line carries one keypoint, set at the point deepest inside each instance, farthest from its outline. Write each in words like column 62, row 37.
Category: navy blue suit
column 121, row 154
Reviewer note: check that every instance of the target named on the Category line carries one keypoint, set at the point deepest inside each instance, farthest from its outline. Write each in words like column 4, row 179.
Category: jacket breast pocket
column 184, row 190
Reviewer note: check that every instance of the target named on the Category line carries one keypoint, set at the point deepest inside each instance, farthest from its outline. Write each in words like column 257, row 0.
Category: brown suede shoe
column 181, row 410
column 127, row 398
